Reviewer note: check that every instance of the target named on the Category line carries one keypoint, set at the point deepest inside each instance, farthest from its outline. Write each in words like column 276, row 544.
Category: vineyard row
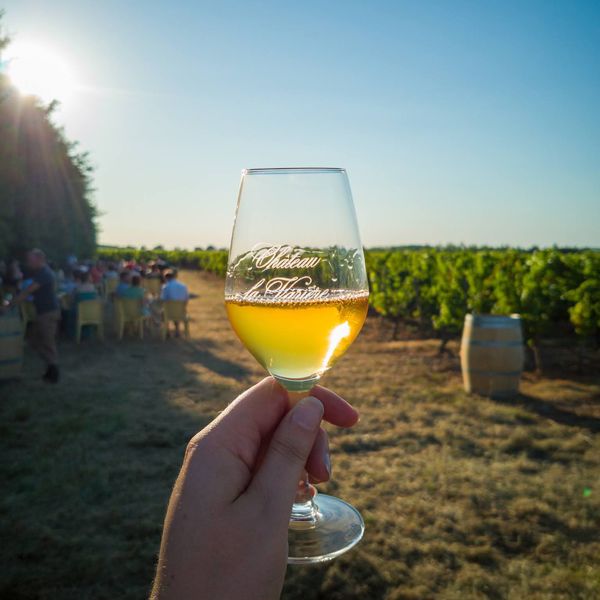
column 555, row 292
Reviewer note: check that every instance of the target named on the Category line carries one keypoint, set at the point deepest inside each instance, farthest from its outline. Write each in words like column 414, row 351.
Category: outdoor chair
column 129, row 311
column 90, row 312
column 176, row 311
column 110, row 287
column 152, row 285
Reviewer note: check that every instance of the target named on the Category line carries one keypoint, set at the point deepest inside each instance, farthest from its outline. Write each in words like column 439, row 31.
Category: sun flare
column 36, row 70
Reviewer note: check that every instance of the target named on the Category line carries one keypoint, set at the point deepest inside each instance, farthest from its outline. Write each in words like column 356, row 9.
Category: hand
column 225, row 533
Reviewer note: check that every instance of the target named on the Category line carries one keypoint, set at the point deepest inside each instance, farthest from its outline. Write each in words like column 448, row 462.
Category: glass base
column 337, row 528
column 297, row 385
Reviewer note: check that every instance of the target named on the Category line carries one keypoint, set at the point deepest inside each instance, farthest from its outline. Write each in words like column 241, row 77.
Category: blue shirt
column 44, row 298
column 122, row 288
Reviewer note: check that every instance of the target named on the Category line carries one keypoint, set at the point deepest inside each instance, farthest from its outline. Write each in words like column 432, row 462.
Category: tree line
column 45, row 182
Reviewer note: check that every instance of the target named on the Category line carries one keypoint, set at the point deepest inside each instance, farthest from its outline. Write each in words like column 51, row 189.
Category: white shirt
column 174, row 290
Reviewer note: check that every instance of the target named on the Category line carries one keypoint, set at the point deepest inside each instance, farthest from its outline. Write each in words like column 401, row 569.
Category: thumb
column 276, row 481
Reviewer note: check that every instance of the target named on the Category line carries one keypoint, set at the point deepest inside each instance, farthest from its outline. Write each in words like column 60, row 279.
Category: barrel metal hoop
column 494, row 321
column 506, row 325
column 495, row 373
column 495, row 344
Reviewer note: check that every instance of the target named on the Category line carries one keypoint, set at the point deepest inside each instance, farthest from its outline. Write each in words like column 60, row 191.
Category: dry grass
column 463, row 497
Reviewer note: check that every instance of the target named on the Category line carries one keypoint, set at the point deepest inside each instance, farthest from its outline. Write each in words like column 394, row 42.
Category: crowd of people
column 56, row 291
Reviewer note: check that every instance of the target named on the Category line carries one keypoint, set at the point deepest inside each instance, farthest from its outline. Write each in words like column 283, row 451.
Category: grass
column 463, row 497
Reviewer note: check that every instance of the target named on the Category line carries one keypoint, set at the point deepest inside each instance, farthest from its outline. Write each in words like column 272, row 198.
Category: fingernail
column 327, row 462
column 307, row 413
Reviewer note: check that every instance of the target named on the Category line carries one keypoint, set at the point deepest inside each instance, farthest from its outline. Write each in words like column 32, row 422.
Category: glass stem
column 304, row 511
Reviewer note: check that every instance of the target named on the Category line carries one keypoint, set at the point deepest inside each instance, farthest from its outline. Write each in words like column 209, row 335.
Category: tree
column 45, row 182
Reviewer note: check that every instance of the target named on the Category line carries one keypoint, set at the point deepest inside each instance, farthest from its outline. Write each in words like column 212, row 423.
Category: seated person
column 135, row 290
column 124, row 280
column 111, row 272
column 13, row 277
column 73, row 283
column 77, row 290
column 85, row 289
column 96, row 273
column 154, row 272
column 173, row 289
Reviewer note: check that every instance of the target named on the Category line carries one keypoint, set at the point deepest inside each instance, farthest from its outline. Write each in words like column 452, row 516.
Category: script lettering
column 286, row 289
column 283, row 257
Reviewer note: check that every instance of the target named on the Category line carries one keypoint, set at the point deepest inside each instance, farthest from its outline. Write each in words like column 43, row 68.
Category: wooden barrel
column 11, row 345
column 491, row 355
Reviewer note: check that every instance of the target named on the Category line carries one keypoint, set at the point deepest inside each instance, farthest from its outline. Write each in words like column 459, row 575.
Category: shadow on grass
column 409, row 441
column 88, row 464
column 549, row 410
column 201, row 353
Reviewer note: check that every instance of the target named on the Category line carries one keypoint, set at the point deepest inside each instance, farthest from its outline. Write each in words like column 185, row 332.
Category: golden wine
column 298, row 340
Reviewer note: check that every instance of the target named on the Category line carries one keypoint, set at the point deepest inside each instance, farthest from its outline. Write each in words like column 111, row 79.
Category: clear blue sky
column 474, row 122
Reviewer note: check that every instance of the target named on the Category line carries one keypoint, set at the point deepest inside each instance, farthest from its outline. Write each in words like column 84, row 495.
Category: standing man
column 47, row 310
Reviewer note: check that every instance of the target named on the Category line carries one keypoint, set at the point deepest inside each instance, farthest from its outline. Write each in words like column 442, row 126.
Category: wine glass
column 296, row 295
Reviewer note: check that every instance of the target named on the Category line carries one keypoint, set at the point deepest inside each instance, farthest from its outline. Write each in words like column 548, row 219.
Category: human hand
column 225, row 533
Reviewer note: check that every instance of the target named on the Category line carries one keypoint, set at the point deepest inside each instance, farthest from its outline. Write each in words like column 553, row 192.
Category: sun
column 36, row 70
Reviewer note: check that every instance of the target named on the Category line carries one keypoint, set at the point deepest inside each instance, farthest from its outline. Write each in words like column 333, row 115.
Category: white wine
column 298, row 340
